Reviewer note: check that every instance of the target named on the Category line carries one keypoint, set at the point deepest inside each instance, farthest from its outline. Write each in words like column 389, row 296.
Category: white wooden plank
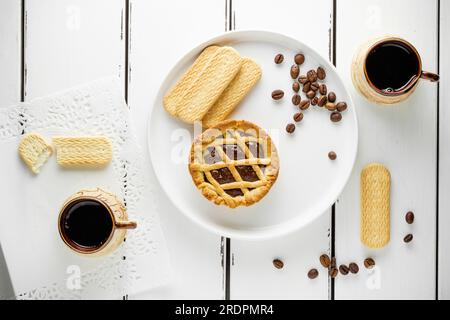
column 252, row 274
column 444, row 153
column 161, row 32
column 10, row 88
column 403, row 137
column 69, row 42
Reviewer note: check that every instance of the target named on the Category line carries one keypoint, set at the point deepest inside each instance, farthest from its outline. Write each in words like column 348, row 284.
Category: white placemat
column 40, row 265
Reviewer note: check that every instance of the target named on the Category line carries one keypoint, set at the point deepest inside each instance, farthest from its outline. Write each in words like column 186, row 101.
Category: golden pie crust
column 239, row 154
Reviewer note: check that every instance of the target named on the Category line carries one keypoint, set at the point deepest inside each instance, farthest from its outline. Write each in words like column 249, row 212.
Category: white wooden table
column 48, row 45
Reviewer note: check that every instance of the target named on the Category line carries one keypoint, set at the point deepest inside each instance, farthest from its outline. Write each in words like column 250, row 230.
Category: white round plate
column 308, row 182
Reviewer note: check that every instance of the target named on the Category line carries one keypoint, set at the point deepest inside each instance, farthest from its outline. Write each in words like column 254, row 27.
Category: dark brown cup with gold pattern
column 93, row 222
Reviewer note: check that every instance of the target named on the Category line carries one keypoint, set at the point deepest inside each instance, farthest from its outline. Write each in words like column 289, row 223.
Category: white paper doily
column 141, row 263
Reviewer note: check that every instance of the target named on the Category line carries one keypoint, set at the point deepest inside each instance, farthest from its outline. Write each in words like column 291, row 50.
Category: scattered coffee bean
column 278, row 58
column 341, row 106
column 322, row 101
column 369, row 263
column 296, row 99
column 311, row 75
column 333, row 272
column 277, row 94
column 277, row 263
column 330, row 106
column 325, row 260
column 335, row 116
column 313, row 273
column 409, row 217
column 306, row 87
column 314, row 101
column 323, row 89
column 408, row 238
column 332, row 97
column 296, row 86
column 314, row 86
column 333, row 262
column 294, row 71
column 304, row 104
column 299, row 58
column 332, row 155
column 311, row 94
column 303, row 79
column 290, row 128
column 353, row 268
column 298, row 117
column 321, row 74
column 344, row 269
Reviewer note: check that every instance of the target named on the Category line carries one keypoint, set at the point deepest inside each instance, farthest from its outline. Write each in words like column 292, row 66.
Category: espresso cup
column 93, row 222
column 386, row 70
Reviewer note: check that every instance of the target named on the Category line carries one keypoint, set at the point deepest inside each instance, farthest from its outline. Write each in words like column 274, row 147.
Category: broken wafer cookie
column 245, row 80
column 201, row 86
column 34, row 151
column 83, row 152
column 375, row 205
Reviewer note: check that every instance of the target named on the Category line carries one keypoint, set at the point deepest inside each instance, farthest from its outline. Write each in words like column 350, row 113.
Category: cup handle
column 433, row 77
column 126, row 225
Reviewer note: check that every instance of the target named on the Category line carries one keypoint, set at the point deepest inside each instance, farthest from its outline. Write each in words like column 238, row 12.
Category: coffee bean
column 304, row 104
column 344, row 269
column 298, row 117
column 277, row 263
column 277, row 94
column 321, row 74
column 333, row 272
column 314, row 86
column 306, row 87
column 294, row 71
column 314, row 101
column 322, row 101
column 313, row 273
column 409, row 217
column 341, row 106
column 332, row 155
column 290, row 128
column 299, row 58
column 332, row 97
column 278, row 58
column 330, row 106
column 323, row 89
column 325, row 260
column 296, row 99
column 312, row 75
column 333, row 262
column 353, row 268
column 303, row 79
column 408, row 238
column 311, row 94
column 296, row 86
column 369, row 263
column 335, row 116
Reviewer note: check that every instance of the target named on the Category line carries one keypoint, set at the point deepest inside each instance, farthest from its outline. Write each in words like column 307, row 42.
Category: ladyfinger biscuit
column 375, row 205
column 83, row 152
column 245, row 80
column 34, row 151
column 208, row 85
column 173, row 98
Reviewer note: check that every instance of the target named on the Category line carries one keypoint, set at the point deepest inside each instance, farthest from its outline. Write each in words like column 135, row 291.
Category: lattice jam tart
column 235, row 163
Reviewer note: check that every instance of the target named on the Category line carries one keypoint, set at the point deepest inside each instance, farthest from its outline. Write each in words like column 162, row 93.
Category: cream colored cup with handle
column 361, row 76
column 93, row 222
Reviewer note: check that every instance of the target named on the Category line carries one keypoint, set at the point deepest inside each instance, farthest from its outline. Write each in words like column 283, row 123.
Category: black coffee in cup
column 86, row 224
column 392, row 67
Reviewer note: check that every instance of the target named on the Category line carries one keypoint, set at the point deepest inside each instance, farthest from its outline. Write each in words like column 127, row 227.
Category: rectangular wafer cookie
column 375, row 205
column 245, row 80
